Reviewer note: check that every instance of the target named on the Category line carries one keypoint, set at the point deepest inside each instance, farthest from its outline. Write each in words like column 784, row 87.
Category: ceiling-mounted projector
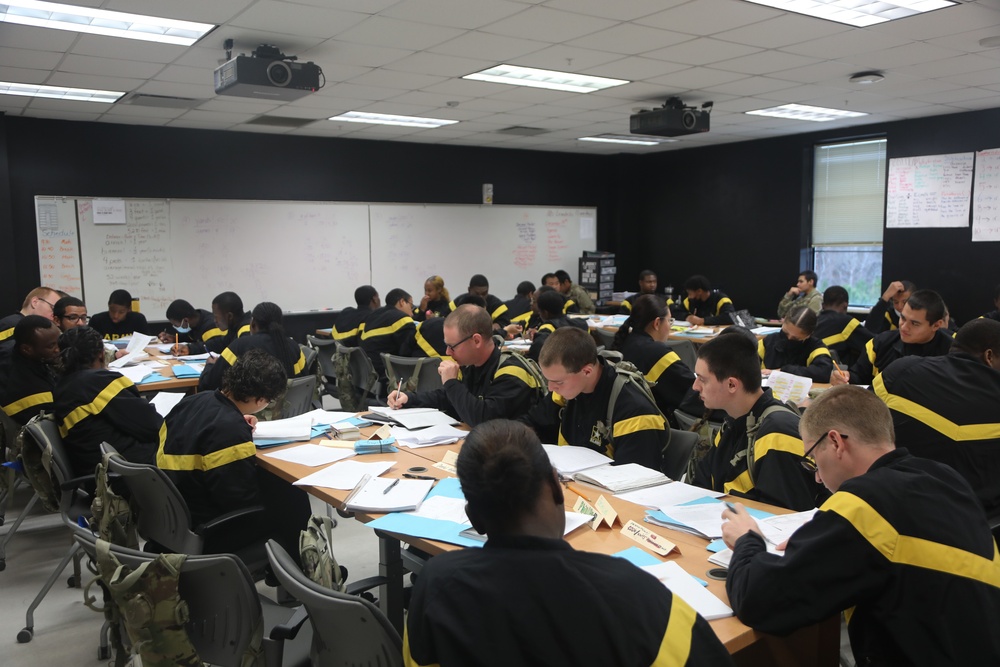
column 673, row 119
column 267, row 74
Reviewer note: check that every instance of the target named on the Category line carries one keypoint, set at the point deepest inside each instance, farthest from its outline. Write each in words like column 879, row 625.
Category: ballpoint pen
column 389, row 488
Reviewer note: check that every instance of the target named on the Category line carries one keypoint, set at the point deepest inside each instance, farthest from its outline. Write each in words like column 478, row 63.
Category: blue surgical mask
column 184, row 328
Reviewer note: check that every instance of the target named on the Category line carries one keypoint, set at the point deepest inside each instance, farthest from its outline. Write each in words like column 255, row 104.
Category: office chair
column 44, row 454
column 686, row 421
column 299, row 395
column 425, row 369
column 604, row 337
column 685, row 350
column 347, row 630
column 310, row 355
column 163, row 518
column 11, row 479
column 678, row 453
column 224, row 609
column 325, row 349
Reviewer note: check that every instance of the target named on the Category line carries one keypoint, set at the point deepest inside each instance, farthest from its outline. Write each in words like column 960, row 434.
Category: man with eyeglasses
column 481, row 383
column 757, row 452
column 40, row 301
column 70, row 312
column 902, row 547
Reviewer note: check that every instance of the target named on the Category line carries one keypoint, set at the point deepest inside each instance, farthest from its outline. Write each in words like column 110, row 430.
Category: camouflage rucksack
column 112, row 515
column 316, row 553
column 37, row 464
column 346, row 393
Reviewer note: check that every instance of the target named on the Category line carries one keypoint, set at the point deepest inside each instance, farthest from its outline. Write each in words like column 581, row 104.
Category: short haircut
column 802, row 317
column 470, row 299
column 525, row 288
column 363, row 295
column 256, row 374
column 859, row 413
column 646, row 273
column 551, row 303
column 546, row 277
column 909, row 286
column 570, row 347
column 120, row 297
column 810, row 275
column 563, row 276
column 396, row 295
column 179, row 309
column 25, row 331
column 835, row 295
column 59, row 309
column 543, row 289
column 471, row 319
column 79, row 348
column 697, row 282
column 229, row 302
column 977, row 336
column 502, row 469
column 733, row 356
column 37, row 293
column 929, row 301
column 479, row 280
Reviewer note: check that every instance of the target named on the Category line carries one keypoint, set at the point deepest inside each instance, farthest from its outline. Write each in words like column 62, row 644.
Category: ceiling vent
column 161, row 101
column 522, row 131
column 280, row 121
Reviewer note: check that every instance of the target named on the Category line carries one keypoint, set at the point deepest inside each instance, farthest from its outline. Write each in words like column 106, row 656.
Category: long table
column 814, row 645
column 187, row 384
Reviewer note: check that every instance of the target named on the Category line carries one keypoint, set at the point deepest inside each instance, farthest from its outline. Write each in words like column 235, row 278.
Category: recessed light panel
column 805, row 112
column 859, row 13
column 544, row 78
column 59, row 93
column 634, row 140
column 389, row 119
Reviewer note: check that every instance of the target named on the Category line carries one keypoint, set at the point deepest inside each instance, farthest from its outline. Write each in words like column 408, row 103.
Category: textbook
column 382, row 494
column 295, row 428
column 411, row 418
column 568, row 460
column 625, row 477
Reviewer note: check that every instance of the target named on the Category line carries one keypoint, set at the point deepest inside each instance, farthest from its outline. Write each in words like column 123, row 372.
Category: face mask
column 183, row 329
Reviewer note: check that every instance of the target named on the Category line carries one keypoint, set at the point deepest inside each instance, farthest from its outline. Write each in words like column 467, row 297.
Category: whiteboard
column 507, row 244
column 986, row 197
column 300, row 255
column 929, row 191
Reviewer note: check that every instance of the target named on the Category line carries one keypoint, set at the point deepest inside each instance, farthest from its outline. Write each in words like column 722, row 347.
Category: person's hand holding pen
column 839, row 376
column 163, row 336
column 397, row 399
column 737, row 522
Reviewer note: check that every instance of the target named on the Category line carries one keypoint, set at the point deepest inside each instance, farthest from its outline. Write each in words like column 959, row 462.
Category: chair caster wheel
column 71, row 582
column 25, row 635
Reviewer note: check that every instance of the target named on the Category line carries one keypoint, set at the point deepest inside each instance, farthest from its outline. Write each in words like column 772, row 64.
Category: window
column 848, row 217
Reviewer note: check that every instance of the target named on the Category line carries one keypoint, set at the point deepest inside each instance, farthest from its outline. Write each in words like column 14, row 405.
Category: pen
column 389, row 488
column 835, row 365
column 399, row 388
column 408, row 475
column 732, row 507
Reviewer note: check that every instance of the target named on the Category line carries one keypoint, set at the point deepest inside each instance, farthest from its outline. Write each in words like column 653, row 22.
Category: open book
column 624, row 477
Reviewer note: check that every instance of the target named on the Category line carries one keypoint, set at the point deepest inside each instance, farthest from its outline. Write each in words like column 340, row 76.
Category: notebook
column 620, row 478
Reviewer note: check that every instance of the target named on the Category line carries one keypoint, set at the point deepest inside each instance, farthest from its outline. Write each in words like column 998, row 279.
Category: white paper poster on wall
column 109, row 212
column 986, row 197
column 929, row 191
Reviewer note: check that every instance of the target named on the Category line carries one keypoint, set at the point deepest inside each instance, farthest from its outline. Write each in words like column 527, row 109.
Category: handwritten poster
column 58, row 245
column 986, row 197
column 929, row 191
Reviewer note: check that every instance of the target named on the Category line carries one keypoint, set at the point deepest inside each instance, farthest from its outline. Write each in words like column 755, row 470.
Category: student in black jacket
column 839, row 331
column 389, row 329
column 189, row 324
column 436, row 301
column 884, row 315
column 550, row 310
column 350, row 322
column 519, row 309
column 118, row 321
column 29, row 385
column 231, row 322
column 95, row 405
column 795, row 349
column 703, row 306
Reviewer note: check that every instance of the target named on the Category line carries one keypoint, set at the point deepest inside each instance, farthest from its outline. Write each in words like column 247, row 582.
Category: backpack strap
column 753, row 427
column 625, row 373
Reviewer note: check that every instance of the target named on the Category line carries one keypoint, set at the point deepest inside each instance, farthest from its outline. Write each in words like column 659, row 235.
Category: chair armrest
column 76, row 482
column 290, row 628
column 362, row 585
column 246, row 515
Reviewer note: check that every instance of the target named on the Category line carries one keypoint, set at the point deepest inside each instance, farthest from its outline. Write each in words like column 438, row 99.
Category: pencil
column 839, row 371
column 578, row 491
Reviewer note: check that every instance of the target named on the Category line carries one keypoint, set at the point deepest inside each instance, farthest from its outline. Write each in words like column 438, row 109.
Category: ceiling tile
column 197, row 91
column 548, row 25
column 630, row 39
column 946, row 21
column 901, row 56
column 620, row 10
column 565, row 58
column 635, row 68
column 306, row 20
column 764, row 62
column 38, row 39
column 783, row 31
column 389, row 79
column 702, row 51
column 695, row 78
column 483, row 45
column 229, row 118
column 949, row 66
column 337, row 54
column 216, row 11
column 708, row 17
column 468, row 14
column 180, row 74
column 854, row 42
column 62, row 114
column 109, row 67
column 29, row 58
column 127, row 49
column 441, row 65
column 829, row 71
column 237, row 105
column 23, row 75
column 139, row 111
column 383, row 31
column 94, row 82
column 752, row 85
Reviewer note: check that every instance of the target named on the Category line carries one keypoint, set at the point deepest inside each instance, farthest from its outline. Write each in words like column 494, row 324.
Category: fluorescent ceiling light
column 859, row 13
column 634, row 140
column 59, row 93
column 805, row 112
column 544, row 78
column 102, row 22
column 389, row 119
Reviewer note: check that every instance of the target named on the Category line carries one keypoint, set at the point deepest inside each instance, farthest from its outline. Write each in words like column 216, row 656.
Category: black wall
column 738, row 212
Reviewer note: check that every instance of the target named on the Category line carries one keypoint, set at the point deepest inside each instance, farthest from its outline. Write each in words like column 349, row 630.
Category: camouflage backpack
column 112, row 514
column 316, row 553
column 627, row 373
column 38, row 464
column 346, row 393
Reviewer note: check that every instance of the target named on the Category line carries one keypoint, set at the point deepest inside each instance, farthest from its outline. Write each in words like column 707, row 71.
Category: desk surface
column 814, row 645
column 173, row 383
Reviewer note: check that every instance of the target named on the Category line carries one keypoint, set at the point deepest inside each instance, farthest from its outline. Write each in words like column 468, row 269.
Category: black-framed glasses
column 808, row 462
column 449, row 346
column 73, row 317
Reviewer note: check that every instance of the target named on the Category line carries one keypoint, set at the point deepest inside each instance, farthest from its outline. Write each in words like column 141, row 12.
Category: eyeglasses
column 47, row 303
column 452, row 347
column 808, row 462
column 73, row 317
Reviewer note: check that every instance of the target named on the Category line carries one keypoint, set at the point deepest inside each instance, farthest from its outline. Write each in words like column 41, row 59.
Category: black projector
column 266, row 79
column 668, row 122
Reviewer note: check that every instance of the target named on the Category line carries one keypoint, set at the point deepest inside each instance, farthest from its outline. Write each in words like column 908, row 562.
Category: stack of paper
column 135, row 373
column 428, row 437
column 413, row 418
column 690, row 590
column 787, row 387
column 295, row 428
column 327, row 417
column 344, row 475
column 569, row 460
column 620, row 478
column 187, row 370
column 700, row 517
column 668, row 495
column 135, row 351
column 381, row 494
column 311, row 455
